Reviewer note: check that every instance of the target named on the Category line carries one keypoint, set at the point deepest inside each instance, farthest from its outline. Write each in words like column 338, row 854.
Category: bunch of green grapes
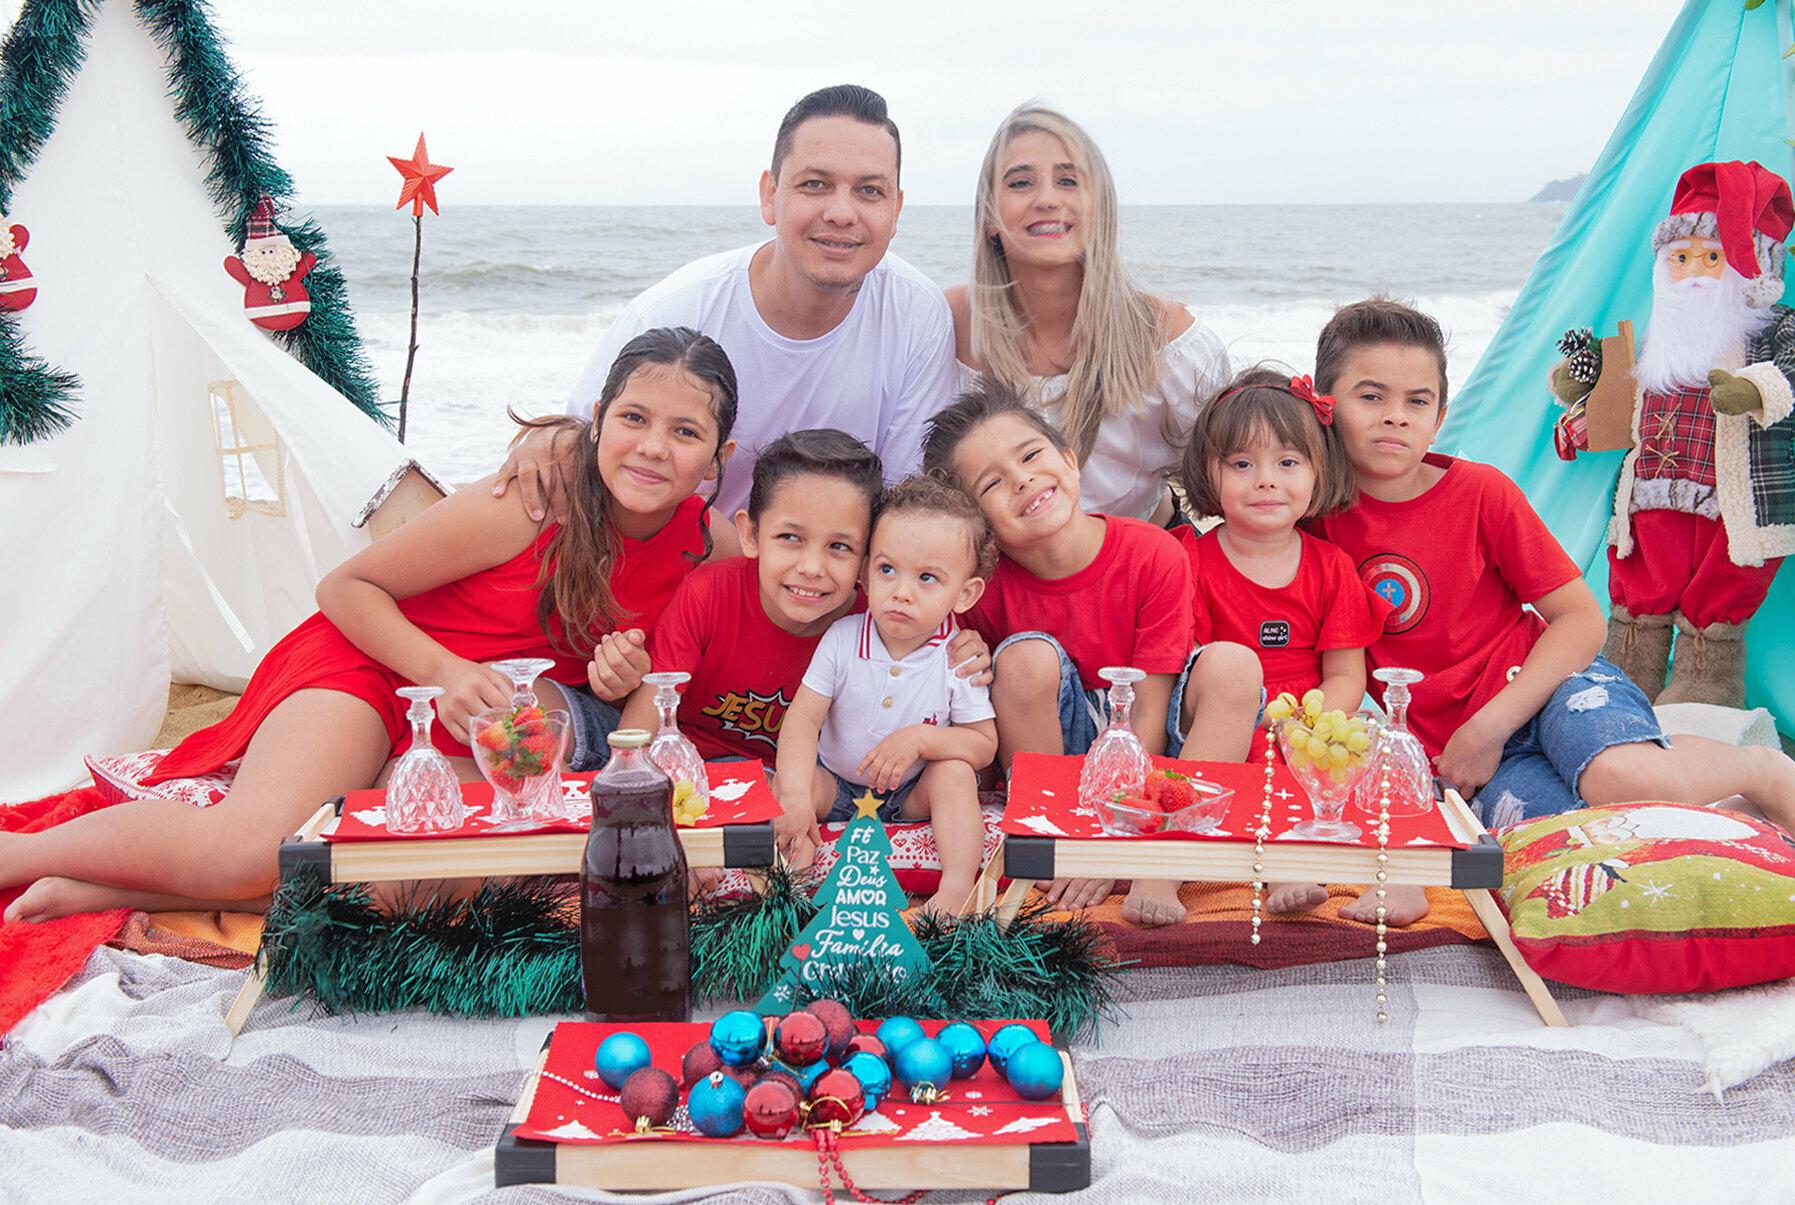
column 1332, row 741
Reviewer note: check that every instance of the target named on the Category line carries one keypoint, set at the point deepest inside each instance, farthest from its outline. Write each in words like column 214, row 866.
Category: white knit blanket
column 1221, row 1084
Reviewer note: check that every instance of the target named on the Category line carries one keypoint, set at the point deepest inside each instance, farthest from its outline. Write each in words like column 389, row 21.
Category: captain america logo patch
column 1399, row 582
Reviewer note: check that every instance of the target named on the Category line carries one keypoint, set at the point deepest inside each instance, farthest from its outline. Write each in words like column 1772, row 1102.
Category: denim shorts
column 1542, row 762
column 590, row 721
column 1175, row 735
column 847, row 793
column 1083, row 713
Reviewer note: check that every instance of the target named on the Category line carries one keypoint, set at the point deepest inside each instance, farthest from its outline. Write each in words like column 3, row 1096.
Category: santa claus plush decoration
column 17, row 288
column 271, row 270
column 1705, row 508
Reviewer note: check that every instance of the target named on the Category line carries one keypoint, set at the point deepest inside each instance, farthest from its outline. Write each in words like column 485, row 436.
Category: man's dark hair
column 839, row 100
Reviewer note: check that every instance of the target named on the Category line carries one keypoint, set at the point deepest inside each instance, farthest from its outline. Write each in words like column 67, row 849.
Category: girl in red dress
column 472, row 579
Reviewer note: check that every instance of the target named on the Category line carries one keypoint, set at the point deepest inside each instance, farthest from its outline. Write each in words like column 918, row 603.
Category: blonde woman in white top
column 1052, row 312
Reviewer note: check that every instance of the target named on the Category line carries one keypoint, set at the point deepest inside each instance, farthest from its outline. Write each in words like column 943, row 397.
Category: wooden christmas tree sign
column 859, row 919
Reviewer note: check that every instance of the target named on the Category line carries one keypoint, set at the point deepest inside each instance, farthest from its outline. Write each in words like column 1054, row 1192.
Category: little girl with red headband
column 1262, row 457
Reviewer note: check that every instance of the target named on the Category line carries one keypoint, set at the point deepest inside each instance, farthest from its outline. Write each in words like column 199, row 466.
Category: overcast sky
column 1193, row 101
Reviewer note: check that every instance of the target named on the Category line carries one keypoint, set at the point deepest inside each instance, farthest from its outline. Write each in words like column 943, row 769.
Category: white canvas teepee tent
column 178, row 527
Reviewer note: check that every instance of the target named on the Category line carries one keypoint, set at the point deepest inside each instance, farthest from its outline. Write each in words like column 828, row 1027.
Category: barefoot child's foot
column 50, row 898
column 1403, row 905
column 1154, row 902
column 1295, row 897
column 950, row 898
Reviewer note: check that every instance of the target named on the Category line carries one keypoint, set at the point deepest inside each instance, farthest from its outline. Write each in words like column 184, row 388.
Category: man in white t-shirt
column 824, row 328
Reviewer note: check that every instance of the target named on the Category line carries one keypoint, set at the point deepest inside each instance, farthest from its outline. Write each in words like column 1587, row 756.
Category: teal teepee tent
column 1719, row 89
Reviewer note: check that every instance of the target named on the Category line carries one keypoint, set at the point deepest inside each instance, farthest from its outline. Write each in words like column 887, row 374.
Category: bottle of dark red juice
column 635, row 933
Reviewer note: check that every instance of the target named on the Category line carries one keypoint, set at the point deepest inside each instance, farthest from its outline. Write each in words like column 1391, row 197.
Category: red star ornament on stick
column 420, row 176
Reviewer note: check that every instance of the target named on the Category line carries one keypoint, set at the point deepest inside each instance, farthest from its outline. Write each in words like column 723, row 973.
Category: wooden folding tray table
column 1048, row 835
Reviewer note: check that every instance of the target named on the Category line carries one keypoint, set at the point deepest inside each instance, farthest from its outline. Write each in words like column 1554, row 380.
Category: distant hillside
column 1561, row 190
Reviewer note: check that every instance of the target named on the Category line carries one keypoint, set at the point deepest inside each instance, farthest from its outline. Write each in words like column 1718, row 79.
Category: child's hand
column 1469, row 759
column 796, row 836
column 468, row 689
column 970, row 656
column 884, row 767
column 618, row 664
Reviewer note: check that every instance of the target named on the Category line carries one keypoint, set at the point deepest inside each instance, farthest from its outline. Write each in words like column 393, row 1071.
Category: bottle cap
column 630, row 738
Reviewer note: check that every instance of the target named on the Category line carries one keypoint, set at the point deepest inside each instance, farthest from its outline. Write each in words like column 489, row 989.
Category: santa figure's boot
column 1709, row 665
column 1639, row 646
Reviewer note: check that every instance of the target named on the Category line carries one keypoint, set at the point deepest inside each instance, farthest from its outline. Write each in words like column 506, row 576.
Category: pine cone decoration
column 1585, row 366
column 1577, row 339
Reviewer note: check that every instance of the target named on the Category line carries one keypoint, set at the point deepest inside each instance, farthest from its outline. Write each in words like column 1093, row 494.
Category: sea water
column 512, row 299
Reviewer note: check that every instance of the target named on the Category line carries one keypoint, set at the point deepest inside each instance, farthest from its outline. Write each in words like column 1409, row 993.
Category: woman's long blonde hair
column 1118, row 331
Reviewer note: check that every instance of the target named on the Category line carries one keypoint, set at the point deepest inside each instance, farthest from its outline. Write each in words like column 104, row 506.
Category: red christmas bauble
column 839, row 1023
column 800, row 1039
column 770, row 1109
column 649, row 1093
column 837, row 1095
column 699, row 1062
column 867, row 1042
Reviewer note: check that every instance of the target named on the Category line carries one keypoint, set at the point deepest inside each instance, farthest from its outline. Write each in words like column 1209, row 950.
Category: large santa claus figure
column 1705, row 508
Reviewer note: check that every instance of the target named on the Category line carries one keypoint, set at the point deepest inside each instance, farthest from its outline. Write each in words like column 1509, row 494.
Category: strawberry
column 526, row 715
column 1178, row 793
column 1157, row 781
column 541, row 746
column 504, row 781
column 493, row 736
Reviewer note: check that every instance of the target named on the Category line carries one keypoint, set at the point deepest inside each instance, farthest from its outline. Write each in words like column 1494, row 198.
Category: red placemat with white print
column 739, row 795
column 1044, row 803
column 572, row 1104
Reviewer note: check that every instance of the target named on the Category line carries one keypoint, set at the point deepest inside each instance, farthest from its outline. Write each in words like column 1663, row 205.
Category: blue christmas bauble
column 715, row 1105
column 1007, row 1039
column 924, row 1062
column 897, row 1033
column 807, row 1075
column 1035, row 1070
column 965, row 1045
column 874, row 1076
column 620, row 1056
column 739, row 1037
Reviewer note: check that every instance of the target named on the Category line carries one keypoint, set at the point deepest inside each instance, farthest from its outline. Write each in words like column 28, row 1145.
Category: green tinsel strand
column 737, row 944
column 507, row 951
column 41, row 54
column 1057, row 970
column 35, row 400
column 221, row 117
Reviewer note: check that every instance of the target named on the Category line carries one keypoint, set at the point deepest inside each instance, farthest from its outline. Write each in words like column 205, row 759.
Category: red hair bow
column 1304, row 389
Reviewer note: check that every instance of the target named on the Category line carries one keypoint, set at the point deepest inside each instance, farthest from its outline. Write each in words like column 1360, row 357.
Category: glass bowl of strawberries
column 1168, row 801
column 518, row 750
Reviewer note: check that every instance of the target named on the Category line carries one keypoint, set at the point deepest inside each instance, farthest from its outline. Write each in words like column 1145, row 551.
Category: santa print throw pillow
column 1651, row 897
column 120, row 778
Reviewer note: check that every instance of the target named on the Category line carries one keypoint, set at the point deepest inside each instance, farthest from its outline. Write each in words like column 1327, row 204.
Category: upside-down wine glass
column 422, row 793
column 671, row 749
column 1116, row 761
column 1411, row 775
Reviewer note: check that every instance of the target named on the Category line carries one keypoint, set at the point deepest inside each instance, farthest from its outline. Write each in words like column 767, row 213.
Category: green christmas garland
column 513, row 950
column 39, row 58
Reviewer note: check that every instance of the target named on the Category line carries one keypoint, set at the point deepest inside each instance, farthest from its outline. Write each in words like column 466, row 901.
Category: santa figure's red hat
column 263, row 231
column 1747, row 208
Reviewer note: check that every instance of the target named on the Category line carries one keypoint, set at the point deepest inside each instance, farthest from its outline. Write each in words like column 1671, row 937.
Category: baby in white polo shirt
column 880, row 709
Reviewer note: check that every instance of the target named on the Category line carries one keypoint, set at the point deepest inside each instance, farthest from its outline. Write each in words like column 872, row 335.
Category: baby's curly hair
column 926, row 495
